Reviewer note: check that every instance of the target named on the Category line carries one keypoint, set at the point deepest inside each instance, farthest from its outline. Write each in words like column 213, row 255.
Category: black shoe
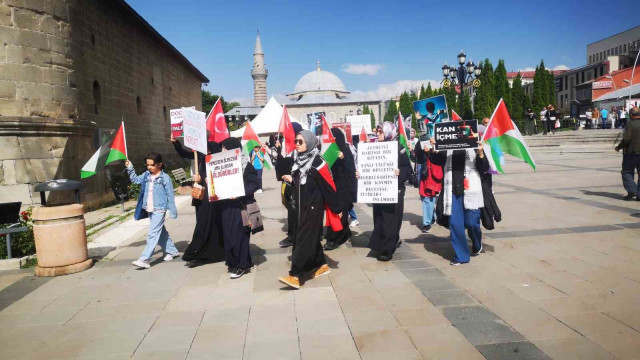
column 384, row 257
column 476, row 253
column 637, row 197
column 231, row 269
column 236, row 274
column 426, row 229
column 399, row 244
column 330, row 245
column 455, row 263
column 286, row 243
column 629, row 197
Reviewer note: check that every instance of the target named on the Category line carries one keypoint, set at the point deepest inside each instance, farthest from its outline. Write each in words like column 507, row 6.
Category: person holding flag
column 156, row 198
column 462, row 198
column 387, row 218
column 314, row 192
column 344, row 175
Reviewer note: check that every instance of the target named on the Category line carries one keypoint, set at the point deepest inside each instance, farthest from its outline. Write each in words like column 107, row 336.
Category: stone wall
column 69, row 67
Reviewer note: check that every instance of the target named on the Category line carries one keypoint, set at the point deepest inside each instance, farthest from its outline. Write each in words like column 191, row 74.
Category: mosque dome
column 318, row 86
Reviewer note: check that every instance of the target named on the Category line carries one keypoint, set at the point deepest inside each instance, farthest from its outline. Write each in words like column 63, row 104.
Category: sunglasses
column 299, row 141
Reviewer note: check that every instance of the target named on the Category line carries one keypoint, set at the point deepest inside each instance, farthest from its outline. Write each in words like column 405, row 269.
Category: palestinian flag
column 402, row 135
column 329, row 148
column 251, row 140
column 502, row 136
column 113, row 150
column 333, row 220
column 455, row 116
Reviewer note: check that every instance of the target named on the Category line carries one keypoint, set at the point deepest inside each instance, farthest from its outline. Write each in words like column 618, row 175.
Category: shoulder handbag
column 255, row 217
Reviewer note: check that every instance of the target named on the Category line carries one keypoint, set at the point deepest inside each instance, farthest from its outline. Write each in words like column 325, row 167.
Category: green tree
column 467, row 111
column 426, row 93
column 540, row 88
column 485, row 98
column 366, row 110
column 501, row 85
column 406, row 107
column 208, row 100
column 392, row 111
column 517, row 99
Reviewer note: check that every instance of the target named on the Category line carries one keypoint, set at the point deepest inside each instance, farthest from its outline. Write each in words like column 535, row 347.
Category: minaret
column 259, row 74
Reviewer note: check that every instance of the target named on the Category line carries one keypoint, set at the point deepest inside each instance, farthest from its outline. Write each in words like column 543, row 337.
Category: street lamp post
column 463, row 75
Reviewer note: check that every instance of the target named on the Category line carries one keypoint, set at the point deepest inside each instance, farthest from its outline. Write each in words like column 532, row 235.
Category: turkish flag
column 216, row 124
column 363, row 135
column 287, row 130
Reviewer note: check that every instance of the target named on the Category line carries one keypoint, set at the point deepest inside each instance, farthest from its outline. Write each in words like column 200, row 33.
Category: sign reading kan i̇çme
column 456, row 135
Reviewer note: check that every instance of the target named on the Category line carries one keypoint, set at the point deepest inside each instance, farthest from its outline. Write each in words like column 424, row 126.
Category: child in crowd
column 156, row 198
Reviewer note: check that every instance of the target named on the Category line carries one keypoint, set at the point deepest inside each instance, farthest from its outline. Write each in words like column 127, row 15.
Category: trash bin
column 59, row 232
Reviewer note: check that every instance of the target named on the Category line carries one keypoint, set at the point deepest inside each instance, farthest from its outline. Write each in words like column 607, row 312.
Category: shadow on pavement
column 610, row 195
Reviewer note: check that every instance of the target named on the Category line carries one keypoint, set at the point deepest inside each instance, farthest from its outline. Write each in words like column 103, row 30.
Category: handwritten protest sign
column 195, row 129
column 176, row 121
column 224, row 175
column 360, row 121
column 377, row 182
column 456, row 135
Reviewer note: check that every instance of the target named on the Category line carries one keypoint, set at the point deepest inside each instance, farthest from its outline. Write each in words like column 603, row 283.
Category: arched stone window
column 139, row 105
column 97, row 97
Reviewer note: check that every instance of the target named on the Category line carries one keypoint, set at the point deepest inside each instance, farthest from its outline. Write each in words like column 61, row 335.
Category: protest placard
column 346, row 129
column 377, row 181
column 224, row 175
column 456, row 135
column 176, row 121
column 195, row 129
column 360, row 121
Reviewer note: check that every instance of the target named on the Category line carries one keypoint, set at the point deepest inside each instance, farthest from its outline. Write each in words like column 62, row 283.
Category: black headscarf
column 348, row 163
column 214, row 147
column 231, row 143
column 296, row 127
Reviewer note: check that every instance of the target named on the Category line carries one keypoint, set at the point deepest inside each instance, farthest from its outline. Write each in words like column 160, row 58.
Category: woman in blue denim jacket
column 156, row 198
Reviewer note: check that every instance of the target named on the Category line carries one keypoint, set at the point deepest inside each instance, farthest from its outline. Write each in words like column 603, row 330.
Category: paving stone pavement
column 559, row 278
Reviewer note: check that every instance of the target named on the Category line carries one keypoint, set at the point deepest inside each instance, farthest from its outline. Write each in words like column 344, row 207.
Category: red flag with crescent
column 363, row 135
column 216, row 124
column 287, row 130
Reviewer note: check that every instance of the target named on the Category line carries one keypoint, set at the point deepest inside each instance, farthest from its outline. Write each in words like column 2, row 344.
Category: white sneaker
column 354, row 223
column 259, row 191
column 141, row 264
column 170, row 257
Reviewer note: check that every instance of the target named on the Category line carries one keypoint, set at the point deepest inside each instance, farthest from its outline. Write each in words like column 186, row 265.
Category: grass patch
column 30, row 263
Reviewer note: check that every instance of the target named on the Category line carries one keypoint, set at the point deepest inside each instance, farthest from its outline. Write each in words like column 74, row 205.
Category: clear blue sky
column 410, row 40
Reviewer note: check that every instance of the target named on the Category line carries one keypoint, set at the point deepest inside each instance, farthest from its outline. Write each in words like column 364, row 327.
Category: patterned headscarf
column 389, row 130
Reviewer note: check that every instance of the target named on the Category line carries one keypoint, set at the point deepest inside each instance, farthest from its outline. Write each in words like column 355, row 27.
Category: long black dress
column 344, row 176
column 310, row 199
column 387, row 218
column 236, row 235
column 283, row 167
column 206, row 243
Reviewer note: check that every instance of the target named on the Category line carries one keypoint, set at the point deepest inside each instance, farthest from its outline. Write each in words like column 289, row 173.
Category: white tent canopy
column 268, row 120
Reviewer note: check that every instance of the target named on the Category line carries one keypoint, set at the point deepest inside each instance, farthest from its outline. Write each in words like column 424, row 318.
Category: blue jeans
column 460, row 219
column 352, row 213
column 259, row 171
column 428, row 205
column 158, row 235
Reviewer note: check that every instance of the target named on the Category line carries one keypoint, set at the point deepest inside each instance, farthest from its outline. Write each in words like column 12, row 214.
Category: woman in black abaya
column 387, row 218
column 206, row 244
column 344, row 176
column 235, row 234
column 312, row 188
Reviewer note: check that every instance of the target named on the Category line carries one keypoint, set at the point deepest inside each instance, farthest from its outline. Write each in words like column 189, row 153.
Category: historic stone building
column 71, row 67
column 259, row 74
column 323, row 91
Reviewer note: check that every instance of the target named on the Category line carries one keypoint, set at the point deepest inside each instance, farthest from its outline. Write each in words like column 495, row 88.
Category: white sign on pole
column 224, row 175
column 358, row 122
column 176, row 121
column 377, row 181
column 195, row 129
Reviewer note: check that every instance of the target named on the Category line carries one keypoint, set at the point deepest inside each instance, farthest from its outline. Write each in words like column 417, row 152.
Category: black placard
column 456, row 135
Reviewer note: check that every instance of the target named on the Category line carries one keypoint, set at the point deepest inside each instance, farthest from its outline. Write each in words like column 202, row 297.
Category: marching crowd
column 453, row 189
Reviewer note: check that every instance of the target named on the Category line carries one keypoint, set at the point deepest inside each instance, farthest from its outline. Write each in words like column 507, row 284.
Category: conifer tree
column 551, row 88
column 501, row 85
column 485, row 97
column 517, row 99
column 539, row 89
column 392, row 111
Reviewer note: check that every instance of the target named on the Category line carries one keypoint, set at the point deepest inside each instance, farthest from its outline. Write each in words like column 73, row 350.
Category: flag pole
column 124, row 137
